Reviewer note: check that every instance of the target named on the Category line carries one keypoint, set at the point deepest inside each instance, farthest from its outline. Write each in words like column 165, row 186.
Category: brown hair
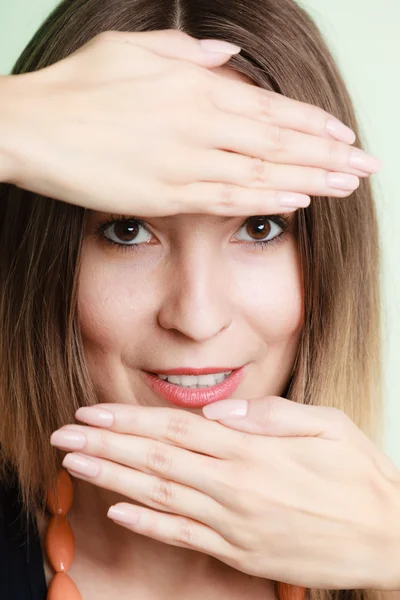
column 44, row 377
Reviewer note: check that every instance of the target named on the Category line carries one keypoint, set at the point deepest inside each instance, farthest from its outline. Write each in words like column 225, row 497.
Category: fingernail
column 287, row 200
column 365, row 162
column 340, row 132
column 81, row 465
column 95, row 416
column 226, row 408
column 343, row 181
column 219, row 46
column 69, row 440
column 124, row 515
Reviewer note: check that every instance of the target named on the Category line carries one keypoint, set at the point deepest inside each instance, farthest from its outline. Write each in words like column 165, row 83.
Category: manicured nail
column 340, row 132
column 343, row 181
column 124, row 515
column 77, row 463
column 226, row 408
column 68, row 440
column 95, row 416
column 365, row 162
column 288, row 200
column 219, row 46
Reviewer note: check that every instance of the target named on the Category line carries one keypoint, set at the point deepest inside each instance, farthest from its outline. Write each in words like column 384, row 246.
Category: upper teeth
column 196, row 380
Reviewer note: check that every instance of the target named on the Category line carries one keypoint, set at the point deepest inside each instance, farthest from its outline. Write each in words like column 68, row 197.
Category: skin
column 199, row 293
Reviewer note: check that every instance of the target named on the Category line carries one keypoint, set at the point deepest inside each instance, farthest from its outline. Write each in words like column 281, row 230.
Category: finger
column 280, row 417
column 252, row 101
column 175, row 531
column 173, row 43
column 282, row 145
column 234, row 200
column 148, row 490
column 245, row 171
column 171, row 425
column 150, row 456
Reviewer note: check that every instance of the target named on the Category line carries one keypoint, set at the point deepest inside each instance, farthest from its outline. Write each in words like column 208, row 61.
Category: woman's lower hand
column 291, row 492
column 123, row 126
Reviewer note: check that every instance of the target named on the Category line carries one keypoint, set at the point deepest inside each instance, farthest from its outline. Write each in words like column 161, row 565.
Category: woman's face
column 190, row 291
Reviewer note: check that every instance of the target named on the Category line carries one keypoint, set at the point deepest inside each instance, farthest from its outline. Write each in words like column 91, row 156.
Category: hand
column 122, row 126
column 315, row 506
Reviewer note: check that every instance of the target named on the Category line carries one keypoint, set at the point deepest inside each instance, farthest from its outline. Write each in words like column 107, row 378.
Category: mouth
column 194, row 388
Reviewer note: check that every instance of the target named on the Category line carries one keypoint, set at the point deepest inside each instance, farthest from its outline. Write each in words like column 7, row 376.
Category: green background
column 364, row 37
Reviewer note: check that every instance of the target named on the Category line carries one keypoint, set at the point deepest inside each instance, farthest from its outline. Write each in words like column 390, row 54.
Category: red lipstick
column 194, row 398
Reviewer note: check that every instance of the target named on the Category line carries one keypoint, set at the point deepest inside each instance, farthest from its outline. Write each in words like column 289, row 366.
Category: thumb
column 279, row 417
column 173, row 43
column 276, row 416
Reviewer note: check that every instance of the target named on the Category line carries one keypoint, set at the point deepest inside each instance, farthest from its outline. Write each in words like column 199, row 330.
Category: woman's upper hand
column 122, row 126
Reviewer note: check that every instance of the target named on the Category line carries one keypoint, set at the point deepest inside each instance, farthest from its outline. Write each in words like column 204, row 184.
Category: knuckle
column 334, row 152
column 178, row 429
column 157, row 458
column 267, row 102
column 226, row 197
column 274, row 135
column 184, row 533
column 259, row 170
column 103, row 443
column 162, row 493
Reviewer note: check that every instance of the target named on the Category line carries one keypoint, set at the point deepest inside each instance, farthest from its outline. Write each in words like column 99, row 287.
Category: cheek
column 272, row 292
column 110, row 302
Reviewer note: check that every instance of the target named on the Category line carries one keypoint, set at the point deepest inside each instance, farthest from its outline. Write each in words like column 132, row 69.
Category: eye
column 126, row 232
column 263, row 229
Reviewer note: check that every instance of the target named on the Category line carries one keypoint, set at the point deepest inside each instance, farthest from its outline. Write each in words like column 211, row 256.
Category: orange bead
column 60, row 543
column 64, row 494
column 290, row 592
column 63, row 588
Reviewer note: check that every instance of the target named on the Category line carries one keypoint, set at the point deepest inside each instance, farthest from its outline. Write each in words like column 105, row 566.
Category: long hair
column 44, row 377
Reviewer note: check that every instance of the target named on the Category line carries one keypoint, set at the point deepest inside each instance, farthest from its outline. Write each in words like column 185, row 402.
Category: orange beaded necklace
column 60, row 546
column 60, row 541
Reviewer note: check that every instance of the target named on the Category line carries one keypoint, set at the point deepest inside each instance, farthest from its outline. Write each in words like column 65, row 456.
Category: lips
column 193, row 398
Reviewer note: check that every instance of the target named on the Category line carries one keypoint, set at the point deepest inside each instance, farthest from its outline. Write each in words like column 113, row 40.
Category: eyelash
column 280, row 220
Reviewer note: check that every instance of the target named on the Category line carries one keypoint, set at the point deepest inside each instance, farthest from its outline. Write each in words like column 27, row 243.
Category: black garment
column 21, row 563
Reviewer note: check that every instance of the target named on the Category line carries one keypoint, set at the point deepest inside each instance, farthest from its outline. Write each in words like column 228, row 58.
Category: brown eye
column 127, row 232
column 260, row 228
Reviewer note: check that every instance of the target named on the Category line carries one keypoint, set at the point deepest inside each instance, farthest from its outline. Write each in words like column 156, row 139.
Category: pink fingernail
column 226, row 408
column 363, row 161
column 124, row 515
column 95, row 416
column 88, row 467
column 342, row 181
column 289, row 200
column 340, row 132
column 219, row 46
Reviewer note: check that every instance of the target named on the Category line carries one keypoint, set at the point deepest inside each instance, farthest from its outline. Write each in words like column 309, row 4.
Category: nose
column 196, row 299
